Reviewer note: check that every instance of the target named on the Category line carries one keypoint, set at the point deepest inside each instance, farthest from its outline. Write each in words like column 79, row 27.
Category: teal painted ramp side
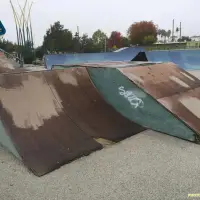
column 133, row 103
column 6, row 141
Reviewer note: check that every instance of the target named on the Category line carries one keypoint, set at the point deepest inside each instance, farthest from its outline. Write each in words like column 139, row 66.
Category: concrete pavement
column 147, row 166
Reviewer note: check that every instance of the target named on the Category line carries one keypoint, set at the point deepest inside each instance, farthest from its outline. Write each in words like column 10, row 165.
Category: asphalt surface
column 147, row 166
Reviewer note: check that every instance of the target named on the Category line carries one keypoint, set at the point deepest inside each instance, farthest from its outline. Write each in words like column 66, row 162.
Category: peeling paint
column 188, row 76
column 68, row 79
column 135, row 78
column 192, row 104
column 178, row 81
column 104, row 142
column 30, row 104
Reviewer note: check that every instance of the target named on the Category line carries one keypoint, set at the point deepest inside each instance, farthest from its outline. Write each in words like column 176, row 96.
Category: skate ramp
column 185, row 59
column 177, row 90
column 82, row 102
column 137, row 105
column 50, row 118
column 79, row 58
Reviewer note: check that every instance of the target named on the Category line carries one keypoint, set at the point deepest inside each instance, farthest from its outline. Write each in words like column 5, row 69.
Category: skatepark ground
column 149, row 166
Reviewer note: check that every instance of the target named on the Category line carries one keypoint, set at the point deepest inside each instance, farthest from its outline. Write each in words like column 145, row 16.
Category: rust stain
column 185, row 106
column 161, row 80
column 29, row 108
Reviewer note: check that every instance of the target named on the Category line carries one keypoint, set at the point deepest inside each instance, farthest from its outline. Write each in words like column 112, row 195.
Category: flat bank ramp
column 50, row 118
column 175, row 89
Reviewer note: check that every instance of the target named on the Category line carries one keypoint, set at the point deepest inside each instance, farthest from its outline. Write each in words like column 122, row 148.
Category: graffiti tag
column 131, row 97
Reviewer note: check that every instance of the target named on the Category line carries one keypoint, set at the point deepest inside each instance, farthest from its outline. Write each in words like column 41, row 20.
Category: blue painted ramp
column 67, row 59
column 185, row 59
column 166, row 56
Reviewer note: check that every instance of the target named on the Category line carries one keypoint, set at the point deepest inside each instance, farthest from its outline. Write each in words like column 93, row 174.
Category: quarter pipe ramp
column 185, row 59
column 50, row 118
column 79, row 58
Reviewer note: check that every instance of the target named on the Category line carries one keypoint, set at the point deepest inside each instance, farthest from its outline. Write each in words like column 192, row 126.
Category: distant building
column 195, row 38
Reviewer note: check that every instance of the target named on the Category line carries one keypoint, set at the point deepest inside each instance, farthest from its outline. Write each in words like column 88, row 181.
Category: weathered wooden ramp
column 50, row 118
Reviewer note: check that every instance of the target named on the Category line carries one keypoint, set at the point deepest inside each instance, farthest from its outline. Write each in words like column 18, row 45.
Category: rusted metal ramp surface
column 42, row 134
column 50, row 118
column 85, row 106
column 176, row 89
column 129, row 99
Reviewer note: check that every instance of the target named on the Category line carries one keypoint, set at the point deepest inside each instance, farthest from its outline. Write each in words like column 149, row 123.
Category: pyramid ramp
column 50, row 118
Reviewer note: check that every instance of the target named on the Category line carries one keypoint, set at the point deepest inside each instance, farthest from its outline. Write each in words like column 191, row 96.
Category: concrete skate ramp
column 50, row 118
column 78, row 58
column 176, row 89
column 185, row 59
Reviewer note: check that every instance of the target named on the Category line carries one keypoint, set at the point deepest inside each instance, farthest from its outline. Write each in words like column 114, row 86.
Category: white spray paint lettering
column 131, row 97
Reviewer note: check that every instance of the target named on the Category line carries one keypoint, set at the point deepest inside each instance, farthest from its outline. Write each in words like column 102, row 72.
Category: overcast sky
column 107, row 15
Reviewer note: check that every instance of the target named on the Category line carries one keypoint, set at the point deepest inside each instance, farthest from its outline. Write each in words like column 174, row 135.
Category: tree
column 148, row 39
column 177, row 30
column 28, row 52
column 169, row 34
column 159, row 33
column 58, row 39
column 39, row 52
column 7, row 46
column 99, row 40
column 115, row 39
column 125, row 42
column 76, row 47
column 164, row 33
column 139, row 30
column 86, row 44
column 184, row 38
